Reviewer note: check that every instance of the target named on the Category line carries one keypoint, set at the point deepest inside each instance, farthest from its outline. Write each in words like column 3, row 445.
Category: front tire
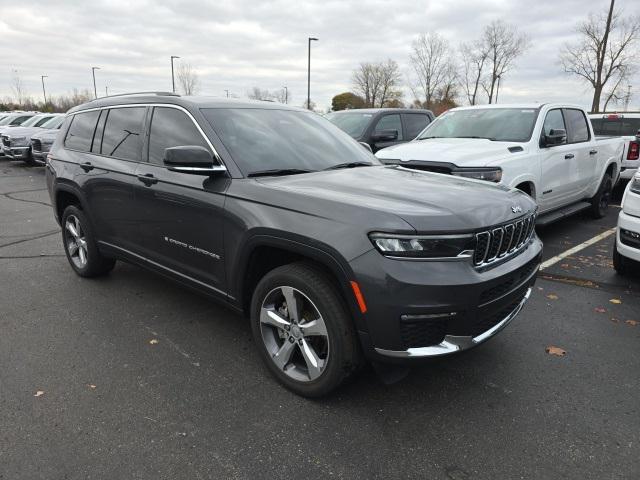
column 80, row 245
column 620, row 263
column 303, row 330
column 600, row 202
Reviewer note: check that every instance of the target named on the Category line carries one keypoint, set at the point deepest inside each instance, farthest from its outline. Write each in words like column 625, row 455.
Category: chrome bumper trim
column 452, row 343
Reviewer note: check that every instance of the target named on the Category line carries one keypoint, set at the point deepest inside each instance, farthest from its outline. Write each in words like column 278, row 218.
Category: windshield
column 8, row 119
column 616, row 126
column 54, row 122
column 497, row 124
column 352, row 123
column 270, row 139
column 33, row 121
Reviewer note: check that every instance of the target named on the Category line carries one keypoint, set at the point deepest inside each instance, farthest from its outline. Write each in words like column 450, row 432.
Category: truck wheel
column 80, row 245
column 620, row 263
column 600, row 202
column 303, row 330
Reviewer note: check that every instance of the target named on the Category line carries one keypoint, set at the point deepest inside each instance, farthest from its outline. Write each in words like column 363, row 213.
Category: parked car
column 41, row 142
column 13, row 120
column 16, row 142
column 627, row 126
column 279, row 214
column 548, row 151
column 382, row 127
column 626, row 253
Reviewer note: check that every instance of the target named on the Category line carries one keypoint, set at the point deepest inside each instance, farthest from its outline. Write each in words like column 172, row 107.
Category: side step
column 563, row 212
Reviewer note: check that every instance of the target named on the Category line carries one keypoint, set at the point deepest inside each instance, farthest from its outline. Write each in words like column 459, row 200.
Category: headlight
column 414, row 246
column 18, row 141
column 488, row 174
column 635, row 185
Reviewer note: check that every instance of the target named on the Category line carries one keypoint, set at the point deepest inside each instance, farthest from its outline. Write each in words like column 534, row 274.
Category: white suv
column 627, row 246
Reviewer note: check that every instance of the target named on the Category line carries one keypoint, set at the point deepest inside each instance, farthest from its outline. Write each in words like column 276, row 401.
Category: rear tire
column 600, row 202
column 80, row 245
column 309, row 357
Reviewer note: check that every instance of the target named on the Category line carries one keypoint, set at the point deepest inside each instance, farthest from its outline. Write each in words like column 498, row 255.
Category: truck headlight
column 635, row 185
column 18, row 141
column 488, row 174
column 417, row 246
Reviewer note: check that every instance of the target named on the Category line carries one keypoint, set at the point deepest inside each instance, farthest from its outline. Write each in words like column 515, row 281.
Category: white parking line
column 577, row 248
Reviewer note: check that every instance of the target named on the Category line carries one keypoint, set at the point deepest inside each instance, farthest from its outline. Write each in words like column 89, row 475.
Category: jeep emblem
column 516, row 209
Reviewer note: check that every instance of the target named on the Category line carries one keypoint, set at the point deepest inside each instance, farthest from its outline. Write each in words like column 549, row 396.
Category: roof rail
column 162, row 94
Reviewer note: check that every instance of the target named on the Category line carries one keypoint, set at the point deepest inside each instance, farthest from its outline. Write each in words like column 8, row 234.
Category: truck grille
column 503, row 241
column 5, row 141
column 36, row 145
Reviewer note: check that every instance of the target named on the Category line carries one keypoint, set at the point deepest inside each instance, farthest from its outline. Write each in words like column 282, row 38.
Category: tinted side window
column 578, row 131
column 553, row 121
column 415, row 123
column 123, row 131
column 390, row 122
column 20, row 120
column 171, row 128
column 80, row 133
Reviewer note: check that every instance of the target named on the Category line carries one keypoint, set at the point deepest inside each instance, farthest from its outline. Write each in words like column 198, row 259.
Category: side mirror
column 366, row 146
column 556, row 136
column 191, row 159
column 385, row 136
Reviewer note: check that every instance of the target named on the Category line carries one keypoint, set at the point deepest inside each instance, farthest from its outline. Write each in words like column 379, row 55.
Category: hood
column 22, row 131
column 46, row 134
column 462, row 152
column 428, row 202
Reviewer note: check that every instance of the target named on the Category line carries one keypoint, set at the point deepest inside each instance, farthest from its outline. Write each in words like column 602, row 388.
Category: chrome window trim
column 167, row 105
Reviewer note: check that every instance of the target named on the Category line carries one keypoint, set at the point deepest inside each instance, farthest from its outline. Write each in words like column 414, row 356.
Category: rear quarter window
column 80, row 133
column 577, row 129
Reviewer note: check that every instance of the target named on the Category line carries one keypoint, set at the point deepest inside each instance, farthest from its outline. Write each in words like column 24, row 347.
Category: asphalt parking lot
column 131, row 376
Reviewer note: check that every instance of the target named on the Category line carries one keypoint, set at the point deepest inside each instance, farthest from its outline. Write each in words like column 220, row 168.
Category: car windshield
column 54, row 122
column 33, row 121
column 352, row 123
column 290, row 141
column 8, row 119
column 497, row 124
column 616, row 126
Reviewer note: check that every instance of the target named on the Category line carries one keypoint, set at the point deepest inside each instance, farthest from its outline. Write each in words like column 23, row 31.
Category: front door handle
column 593, row 152
column 148, row 179
column 569, row 156
column 87, row 166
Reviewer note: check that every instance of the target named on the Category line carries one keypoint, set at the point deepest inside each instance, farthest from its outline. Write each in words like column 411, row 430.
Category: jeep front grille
column 36, row 145
column 503, row 241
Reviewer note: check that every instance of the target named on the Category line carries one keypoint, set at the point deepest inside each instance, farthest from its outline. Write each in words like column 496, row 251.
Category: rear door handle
column 148, row 179
column 87, row 166
column 569, row 156
column 593, row 152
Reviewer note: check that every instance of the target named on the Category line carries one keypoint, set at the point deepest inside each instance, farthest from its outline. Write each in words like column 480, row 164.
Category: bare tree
column 618, row 93
column 474, row 60
column 503, row 45
column 282, row 95
column 606, row 47
column 257, row 93
column 377, row 83
column 17, row 87
column 188, row 79
column 432, row 62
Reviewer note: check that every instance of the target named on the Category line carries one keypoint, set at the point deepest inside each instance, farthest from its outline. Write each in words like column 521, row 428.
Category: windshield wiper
column 429, row 138
column 277, row 172
column 349, row 165
column 475, row 136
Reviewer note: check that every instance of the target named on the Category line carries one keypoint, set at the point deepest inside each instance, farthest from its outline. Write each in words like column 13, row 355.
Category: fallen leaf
column 39, row 393
column 153, row 341
column 552, row 296
column 564, row 265
column 557, row 351
column 91, row 386
column 540, row 288
column 633, row 323
column 616, row 301
column 600, row 310
column 614, row 320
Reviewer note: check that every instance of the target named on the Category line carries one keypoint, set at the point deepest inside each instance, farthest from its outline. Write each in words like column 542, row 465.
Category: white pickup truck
column 549, row 151
column 627, row 126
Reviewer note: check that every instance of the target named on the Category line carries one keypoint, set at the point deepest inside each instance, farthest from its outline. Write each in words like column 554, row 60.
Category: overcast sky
column 236, row 45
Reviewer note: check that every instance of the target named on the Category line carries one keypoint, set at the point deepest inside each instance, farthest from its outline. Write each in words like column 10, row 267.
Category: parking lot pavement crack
column 33, row 237
column 43, row 255
column 581, row 282
column 9, row 196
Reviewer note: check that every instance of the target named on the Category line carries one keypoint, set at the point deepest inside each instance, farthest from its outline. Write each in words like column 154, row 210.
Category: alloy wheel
column 294, row 334
column 76, row 242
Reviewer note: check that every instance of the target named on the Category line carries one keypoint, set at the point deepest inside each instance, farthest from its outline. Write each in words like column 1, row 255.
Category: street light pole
column 173, row 80
column 227, row 92
column 311, row 39
column 286, row 95
column 498, row 88
column 106, row 91
column 44, row 92
column 93, row 72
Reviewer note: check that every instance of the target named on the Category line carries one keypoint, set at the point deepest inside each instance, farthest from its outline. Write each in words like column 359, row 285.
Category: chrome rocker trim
column 452, row 343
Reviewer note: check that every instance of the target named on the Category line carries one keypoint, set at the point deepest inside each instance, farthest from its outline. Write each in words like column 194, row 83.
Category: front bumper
column 18, row 153
column 628, row 247
column 419, row 309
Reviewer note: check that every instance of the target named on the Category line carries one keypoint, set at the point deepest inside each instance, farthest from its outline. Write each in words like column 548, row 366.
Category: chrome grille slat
column 501, row 242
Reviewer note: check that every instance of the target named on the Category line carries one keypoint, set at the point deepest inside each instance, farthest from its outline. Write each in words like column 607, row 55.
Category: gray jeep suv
column 278, row 214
